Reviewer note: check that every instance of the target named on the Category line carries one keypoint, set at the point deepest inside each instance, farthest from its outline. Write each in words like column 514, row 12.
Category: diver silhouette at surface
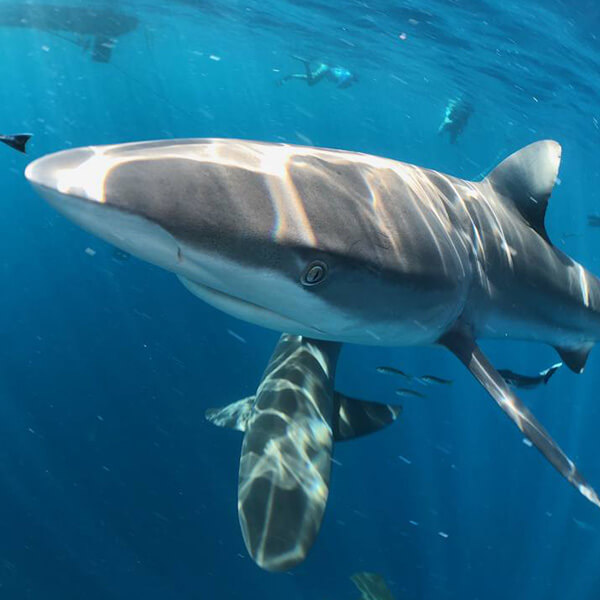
column 341, row 76
column 456, row 116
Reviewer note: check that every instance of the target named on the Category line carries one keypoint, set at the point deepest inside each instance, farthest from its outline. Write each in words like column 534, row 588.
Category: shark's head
column 266, row 232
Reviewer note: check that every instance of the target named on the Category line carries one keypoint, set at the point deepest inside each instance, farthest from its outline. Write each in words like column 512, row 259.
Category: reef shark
column 289, row 428
column 101, row 26
column 347, row 247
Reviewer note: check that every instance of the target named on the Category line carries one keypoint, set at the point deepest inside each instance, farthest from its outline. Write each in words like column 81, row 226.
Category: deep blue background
column 112, row 485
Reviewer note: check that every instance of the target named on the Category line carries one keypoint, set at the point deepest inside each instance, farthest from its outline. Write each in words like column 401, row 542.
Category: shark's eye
column 315, row 273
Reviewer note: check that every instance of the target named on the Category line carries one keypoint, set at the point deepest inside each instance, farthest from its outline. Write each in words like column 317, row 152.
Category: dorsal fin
column 526, row 178
column 576, row 358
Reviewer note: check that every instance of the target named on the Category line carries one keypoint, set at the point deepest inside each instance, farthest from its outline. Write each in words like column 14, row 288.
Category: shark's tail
column 546, row 374
column 18, row 141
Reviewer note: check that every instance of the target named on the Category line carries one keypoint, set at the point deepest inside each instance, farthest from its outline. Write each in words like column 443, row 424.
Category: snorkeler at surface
column 341, row 76
column 456, row 116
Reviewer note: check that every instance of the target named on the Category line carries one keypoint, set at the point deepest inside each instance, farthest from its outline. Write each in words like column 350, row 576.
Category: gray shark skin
column 347, row 247
column 289, row 428
column 102, row 25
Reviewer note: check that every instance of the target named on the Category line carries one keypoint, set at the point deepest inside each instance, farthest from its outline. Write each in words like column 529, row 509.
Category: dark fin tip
column 17, row 141
column 575, row 359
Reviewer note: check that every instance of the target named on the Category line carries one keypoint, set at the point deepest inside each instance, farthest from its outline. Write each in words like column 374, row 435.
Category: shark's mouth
column 248, row 311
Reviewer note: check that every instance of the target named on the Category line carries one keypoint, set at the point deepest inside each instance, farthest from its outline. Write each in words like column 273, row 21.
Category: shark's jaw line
column 248, row 311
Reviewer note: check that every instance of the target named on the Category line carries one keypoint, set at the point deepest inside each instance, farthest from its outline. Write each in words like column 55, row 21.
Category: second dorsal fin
column 526, row 178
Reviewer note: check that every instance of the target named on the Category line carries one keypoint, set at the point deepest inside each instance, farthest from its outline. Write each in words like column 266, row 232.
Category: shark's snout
column 74, row 183
column 77, row 173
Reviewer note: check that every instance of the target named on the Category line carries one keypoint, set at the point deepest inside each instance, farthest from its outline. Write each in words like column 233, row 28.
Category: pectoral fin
column 233, row 416
column 355, row 418
column 467, row 351
column 352, row 417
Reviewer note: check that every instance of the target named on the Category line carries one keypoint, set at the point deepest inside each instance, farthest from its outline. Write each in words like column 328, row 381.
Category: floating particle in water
column 527, row 442
column 90, row 251
column 304, row 138
column 237, row 336
column 215, row 57
column 443, row 534
column 414, row 523
column 402, row 36
column 336, row 462
column 404, row 459
column 46, row 48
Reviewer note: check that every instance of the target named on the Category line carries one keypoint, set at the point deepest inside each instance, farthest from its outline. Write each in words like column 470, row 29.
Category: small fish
column 429, row 379
column 18, row 141
column 583, row 525
column 393, row 371
column 594, row 220
column 528, row 381
column 407, row 392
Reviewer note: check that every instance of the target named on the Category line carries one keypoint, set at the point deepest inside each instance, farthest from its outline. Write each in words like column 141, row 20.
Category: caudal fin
column 550, row 371
column 17, row 141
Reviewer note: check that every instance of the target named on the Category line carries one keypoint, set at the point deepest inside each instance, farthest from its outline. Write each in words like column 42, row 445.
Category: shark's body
column 289, row 428
column 346, row 247
column 100, row 25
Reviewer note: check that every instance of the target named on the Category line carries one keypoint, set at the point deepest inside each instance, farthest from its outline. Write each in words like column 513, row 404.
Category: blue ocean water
column 112, row 483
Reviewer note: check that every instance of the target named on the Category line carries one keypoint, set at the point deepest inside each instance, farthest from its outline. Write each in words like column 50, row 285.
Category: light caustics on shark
column 404, row 255
column 289, row 428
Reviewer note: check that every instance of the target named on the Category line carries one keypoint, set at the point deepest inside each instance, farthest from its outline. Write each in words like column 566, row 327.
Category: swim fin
column 18, row 141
